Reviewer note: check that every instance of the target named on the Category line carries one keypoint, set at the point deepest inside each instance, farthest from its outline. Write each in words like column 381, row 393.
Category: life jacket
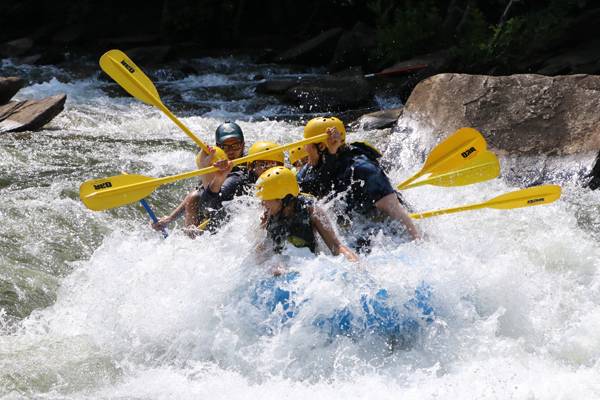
column 298, row 230
column 361, row 147
column 210, row 218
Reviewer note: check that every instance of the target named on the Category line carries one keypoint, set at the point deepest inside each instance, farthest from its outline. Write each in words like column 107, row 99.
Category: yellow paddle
column 521, row 198
column 480, row 169
column 102, row 194
column 116, row 64
column 462, row 146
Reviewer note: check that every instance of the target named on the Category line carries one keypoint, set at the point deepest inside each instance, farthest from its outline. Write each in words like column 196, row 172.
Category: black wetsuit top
column 355, row 179
column 298, row 230
column 210, row 205
column 355, row 172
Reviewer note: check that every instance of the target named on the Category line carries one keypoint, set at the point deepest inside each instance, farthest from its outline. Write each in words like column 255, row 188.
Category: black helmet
column 228, row 130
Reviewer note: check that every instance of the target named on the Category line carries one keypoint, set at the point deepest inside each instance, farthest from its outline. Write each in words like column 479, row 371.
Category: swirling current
column 501, row 304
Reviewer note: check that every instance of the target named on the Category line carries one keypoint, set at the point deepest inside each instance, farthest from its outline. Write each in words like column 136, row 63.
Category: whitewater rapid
column 96, row 305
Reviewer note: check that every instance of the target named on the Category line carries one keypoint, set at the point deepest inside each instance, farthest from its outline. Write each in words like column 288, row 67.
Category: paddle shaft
column 151, row 213
column 521, row 198
column 158, row 103
column 160, row 181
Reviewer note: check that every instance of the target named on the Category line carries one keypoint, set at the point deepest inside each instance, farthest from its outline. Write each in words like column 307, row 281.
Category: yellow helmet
column 219, row 155
column 277, row 183
column 264, row 146
column 318, row 126
column 297, row 153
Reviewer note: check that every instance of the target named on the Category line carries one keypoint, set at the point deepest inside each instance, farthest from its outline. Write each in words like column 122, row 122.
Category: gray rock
column 377, row 120
column 30, row 114
column 16, row 48
column 9, row 87
column 337, row 92
column 50, row 58
column 544, row 129
column 275, row 87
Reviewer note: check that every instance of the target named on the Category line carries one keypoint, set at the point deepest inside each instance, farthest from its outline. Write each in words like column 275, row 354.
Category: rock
column 377, row 120
column 353, row 48
column 30, row 114
column 316, row 51
column 266, row 56
column 438, row 62
column 16, row 48
column 152, row 54
column 544, row 129
column 51, row 58
column 275, row 87
column 570, row 61
column 188, row 70
column 44, row 33
column 9, row 87
column 337, row 92
column 79, row 34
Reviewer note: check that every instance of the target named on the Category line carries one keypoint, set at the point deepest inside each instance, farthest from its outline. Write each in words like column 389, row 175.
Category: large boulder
column 9, row 87
column 29, row 115
column 16, row 47
column 316, row 51
column 544, row 129
column 336, row 92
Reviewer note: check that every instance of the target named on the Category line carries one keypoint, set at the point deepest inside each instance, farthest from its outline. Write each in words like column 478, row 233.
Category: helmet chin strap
column 284, row 203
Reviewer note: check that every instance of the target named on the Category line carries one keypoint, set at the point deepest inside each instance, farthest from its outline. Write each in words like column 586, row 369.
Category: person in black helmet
column 230, row 142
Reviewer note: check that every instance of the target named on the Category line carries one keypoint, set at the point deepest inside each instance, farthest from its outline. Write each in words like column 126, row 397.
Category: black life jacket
column 298, row 230
column 361, row 147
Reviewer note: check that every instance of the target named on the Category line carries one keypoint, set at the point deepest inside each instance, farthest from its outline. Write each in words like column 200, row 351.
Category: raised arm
column 322, row 224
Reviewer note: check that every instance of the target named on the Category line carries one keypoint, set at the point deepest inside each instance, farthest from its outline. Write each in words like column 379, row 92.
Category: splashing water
column 495, row 303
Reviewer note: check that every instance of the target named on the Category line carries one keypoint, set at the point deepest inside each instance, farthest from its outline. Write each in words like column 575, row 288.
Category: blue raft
column 374, row 314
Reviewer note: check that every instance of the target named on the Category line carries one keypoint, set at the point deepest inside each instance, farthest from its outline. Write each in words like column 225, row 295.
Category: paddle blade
column 462, row 146
column 119, row 67
column 90, row 192
column 526, row 197
column 480, row 169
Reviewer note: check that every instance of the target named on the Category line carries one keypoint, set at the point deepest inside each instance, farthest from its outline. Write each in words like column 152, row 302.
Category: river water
column 96, row 305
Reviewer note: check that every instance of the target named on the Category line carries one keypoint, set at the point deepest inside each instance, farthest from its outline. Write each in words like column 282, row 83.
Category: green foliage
column 472, row 42
column 406, row 30
column 190, row 17
column 533, row 25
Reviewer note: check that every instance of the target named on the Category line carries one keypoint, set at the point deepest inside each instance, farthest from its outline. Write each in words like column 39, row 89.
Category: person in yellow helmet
column 225, row 185
column 230, row 145
column 298, row 158
column 351, row 173
column 294, row 217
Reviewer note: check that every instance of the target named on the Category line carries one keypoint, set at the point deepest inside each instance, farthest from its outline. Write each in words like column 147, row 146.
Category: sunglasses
column 234, row 147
